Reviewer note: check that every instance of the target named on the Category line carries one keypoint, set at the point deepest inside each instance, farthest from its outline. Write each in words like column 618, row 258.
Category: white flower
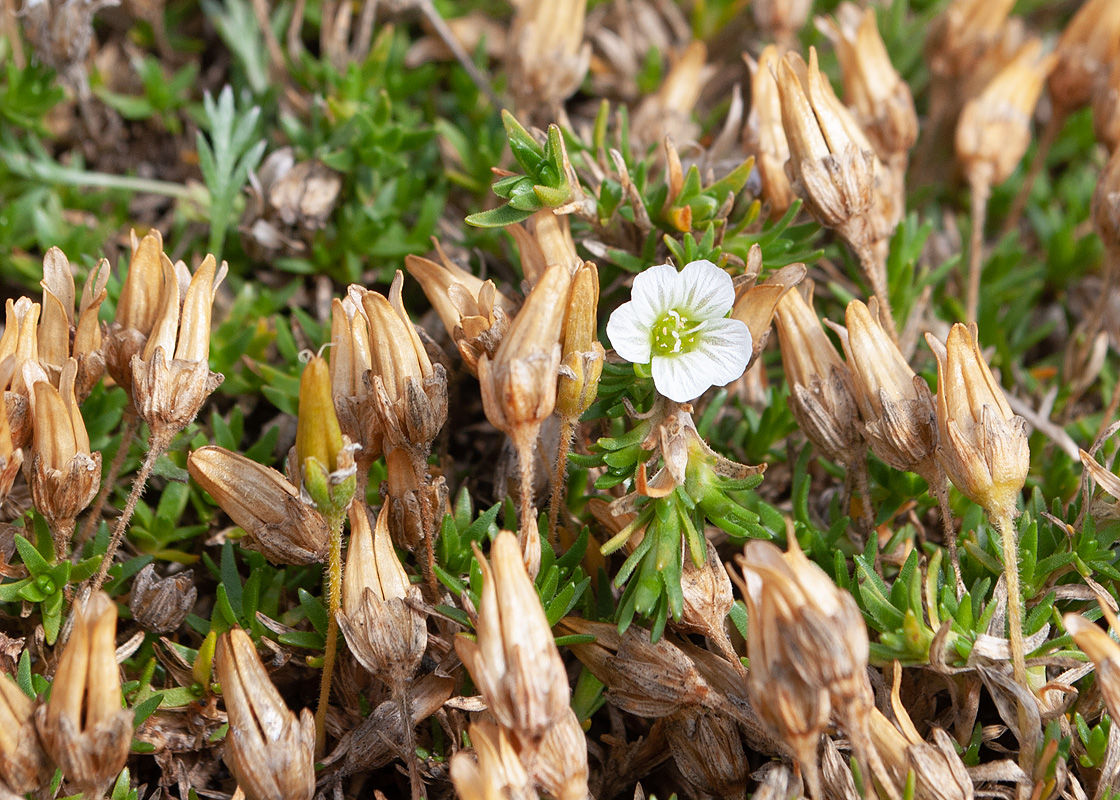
column 677, row 323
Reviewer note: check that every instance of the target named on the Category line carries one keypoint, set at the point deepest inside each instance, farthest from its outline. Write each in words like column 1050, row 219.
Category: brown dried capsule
column 24, row 766
column 268, row 748
column 495, row 771
column 84, row 729
column 709, row 752
column 161, row 604
column 764, row 126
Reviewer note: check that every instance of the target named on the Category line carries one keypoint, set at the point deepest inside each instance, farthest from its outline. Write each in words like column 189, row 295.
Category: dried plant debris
column 569, row 400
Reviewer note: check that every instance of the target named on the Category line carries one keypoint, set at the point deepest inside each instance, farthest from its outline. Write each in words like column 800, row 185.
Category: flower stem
column 940, row 488
column 876, row 273
column 157, row 445
column 1009, row 539
column 559, row 482
column 131, row 425
column 528, row 536
column 334, row 603
column 400, row 691
column 62, row 532
column 981, row 189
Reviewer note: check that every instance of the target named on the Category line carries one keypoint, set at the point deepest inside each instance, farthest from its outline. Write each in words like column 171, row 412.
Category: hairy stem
column 400, row 691
column 334, row 603
column 157, row 445
column 559, row 478
column 940, row 488
column 1009, row 539
column 61, row 532
column 131, row 425
column 528, row 537
column 981, row 189
column 876, row 274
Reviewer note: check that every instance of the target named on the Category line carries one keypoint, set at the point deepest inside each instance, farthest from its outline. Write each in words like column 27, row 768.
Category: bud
column 495, row 772
column 1106, row 108
column 84, row 729
column 559, row 764
column 755, row 303
column 58, row 325
column 161, row 604
column 24, row 767
column 474, row 312
column 138, row 307
column 514, row 661
column 171, row 379
column 519, row 384
column 983, row 444
column 269, row 749
column 781, row 19
column 386, row 634
column 1086, row 51
column 409, row 392
column 822, row 398
column 764, row 126
column 324, row 456
column 261, row 501
column 64, row 474
column 351, row 361
column 546, row 56
column 873, row 88
column 1103, row 651
column 900, row 422
column 581, row 357
column 994, row 129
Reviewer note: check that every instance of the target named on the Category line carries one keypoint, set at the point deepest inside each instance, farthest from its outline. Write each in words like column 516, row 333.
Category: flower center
column 675, row 333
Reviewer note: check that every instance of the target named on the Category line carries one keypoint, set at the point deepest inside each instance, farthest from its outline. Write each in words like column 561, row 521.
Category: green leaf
column 498, row 217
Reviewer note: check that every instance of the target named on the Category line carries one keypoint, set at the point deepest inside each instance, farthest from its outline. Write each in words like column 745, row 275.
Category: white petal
column 681, row 377
column 710, row 292
column 629, row 336
column 726, row 348
column 656, row 290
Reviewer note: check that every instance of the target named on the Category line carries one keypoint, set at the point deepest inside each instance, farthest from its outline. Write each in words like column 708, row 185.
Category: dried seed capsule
column 84, row 729
column 514, row 661
column 1086, row 50
column 24, row 766
column 546, row 55
column 709, row 752
column 161, row 604
column 495, row 772
column 276, row 520
column 269, row 749
column 351, row 360
column 983, row 443
column 559, row 764
column 138, row 307
column 764, row 125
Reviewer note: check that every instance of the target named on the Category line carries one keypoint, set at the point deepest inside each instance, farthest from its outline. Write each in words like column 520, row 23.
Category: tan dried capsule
column 822, row 397
column 983, row 442
column 351, row 361
column 959, row 38
column 408, row 391
column 519, row 383
column 138, row 307
column 764, row 126
column 496, row 772
column 11, row 457
column 269, row 749
column 386, row 634
column 558, row 765
column 546, row 55
column 514, row 661
column 161, row 604
column 276, row 520
column 994, row 129
column 288, row 202
column 19, row 345
column 64, row 474
column 1106, row 108
column 755, row 303
column 1086, row 50
column 668, row 112
column 709, row 752
column 545, row 239
column 84, row 729
column 24, row 766
column 58, row 325
column 171, row 379
column 881, row 100
column 1103, row 651
column 899, row 418
column 643, row 678
column 474, row 312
